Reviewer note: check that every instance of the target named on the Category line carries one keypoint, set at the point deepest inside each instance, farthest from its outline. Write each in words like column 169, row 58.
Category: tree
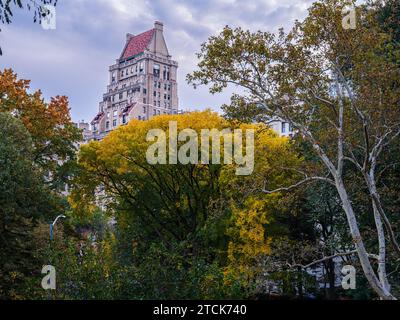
column 337, row 88
column 7, row 8
column 178, row 223
column 38, row 146
column 389, row 17
column 23, row 199
column 53, row 134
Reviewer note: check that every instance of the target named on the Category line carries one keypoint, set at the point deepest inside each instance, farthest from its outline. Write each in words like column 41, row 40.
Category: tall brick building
column 142, row 83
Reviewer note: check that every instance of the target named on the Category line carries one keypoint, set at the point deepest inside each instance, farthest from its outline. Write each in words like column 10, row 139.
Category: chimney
column 159, row 26
column 129, row 36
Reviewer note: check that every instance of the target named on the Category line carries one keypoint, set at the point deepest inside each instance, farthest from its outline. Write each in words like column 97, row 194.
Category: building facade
column 142, row 83
column 283, row 128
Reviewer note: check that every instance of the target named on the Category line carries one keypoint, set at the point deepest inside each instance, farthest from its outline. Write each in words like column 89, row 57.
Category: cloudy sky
column 73, row 59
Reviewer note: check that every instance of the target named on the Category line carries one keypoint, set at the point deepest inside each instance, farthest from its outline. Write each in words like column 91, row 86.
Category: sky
column 73, row 59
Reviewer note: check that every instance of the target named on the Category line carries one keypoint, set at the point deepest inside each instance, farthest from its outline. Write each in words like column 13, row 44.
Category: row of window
column 158, row 104
column 121, row 95
column 137, row 68
column 134, row 70
column 156, row 72
column 159, row 95
column 115, row 114
column 115, row 122
column 157, row 84
column 124, row 119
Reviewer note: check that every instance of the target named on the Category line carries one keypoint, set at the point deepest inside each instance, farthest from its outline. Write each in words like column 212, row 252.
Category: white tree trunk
column 359, row 244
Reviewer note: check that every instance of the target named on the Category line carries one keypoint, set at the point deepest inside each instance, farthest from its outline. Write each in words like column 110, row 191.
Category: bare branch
column 340, row 254
column 296, row 185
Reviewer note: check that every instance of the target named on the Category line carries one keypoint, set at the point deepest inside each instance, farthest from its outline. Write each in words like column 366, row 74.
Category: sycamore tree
column 339, row 89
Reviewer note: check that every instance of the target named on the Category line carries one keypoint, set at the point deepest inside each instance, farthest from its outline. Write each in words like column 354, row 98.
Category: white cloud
column 90, row 35
column 128, row 9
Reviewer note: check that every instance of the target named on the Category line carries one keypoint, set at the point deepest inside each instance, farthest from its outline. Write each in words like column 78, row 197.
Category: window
column 284, row 127
column 121, row 95
column 114, row 122
column 158, row 111
column 139, row 117
column 155, row 102
column 115, row 113
column 165, row 96
column 124, row 119
column 113, row 77
column 156, row 70
column 144, row 100
column 165, row 73
column 108, row 114
column 155, row 93
column 169, row 87
column 154, row 111
column 144, row 109
column 141, row 67
column 107, row 125
column 169, row 97
column 94, row 127
column 165, row 86
column 159, row 85
column 122, row 73
column 158, row 103
column 144, row 90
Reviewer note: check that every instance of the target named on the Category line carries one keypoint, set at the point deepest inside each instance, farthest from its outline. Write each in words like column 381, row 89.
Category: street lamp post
column 53, row 224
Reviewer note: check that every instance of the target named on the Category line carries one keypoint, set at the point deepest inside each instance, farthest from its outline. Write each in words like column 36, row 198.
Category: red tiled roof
column 137, row 44
column 128, row 108
column 98, row 117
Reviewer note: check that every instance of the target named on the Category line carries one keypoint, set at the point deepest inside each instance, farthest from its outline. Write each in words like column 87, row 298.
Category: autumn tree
column 53, row 134
column 38, row 150
column 338, row 89
column 173, row 219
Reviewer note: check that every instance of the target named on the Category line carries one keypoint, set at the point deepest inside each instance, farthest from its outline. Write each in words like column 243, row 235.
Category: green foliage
column 22, row 199
column 37, row 155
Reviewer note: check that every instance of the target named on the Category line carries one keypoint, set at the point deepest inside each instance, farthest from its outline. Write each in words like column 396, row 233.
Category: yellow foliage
column 123, row 152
